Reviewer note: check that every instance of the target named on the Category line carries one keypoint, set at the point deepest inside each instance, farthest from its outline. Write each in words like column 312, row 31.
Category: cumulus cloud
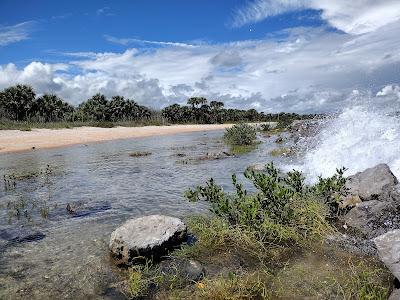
column 389, row 90
column 311, row 71
column 355, row 17
column 15, row 33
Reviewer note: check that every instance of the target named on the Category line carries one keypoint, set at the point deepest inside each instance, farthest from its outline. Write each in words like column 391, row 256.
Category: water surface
column 106, row 186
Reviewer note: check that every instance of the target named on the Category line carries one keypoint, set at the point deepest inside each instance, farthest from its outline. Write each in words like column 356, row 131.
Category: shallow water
column 70, row 259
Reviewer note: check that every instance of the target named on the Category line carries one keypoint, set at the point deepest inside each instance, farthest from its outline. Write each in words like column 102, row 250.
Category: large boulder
column 373, row 218
column 388, row 246
column 395, row 295
column 372, row 183
column 149, row 236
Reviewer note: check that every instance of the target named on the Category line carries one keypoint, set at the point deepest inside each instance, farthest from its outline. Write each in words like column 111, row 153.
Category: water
column 360, row 137
column 110, row 186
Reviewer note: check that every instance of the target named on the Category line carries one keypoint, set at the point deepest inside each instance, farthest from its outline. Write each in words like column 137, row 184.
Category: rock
column 388, row 246
column 257, row 167
column 352, row 244
column 139, row 154
column 303, row 129
column 20, row 234
column 187, row 270
column 279, row 140
column 373, row 218
column 395, row 295
column 149, row 236
column 372, row 184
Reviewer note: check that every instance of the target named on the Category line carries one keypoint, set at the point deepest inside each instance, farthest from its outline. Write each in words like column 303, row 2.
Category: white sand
column 15, row 140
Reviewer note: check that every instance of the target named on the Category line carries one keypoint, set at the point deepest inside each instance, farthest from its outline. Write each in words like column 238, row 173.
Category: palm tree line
column 19, row 103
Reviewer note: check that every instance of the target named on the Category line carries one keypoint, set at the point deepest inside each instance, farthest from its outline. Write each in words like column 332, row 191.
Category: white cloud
column 313, row 68
column 354, row 17
column 15, row 33
column 130, row 41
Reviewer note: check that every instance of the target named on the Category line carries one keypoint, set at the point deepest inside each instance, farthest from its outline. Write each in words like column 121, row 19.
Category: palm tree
column 17, row 102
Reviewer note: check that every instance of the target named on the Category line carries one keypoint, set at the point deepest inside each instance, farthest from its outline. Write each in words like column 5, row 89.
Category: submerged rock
column 372, row 183
column 149, row 236
column 20, row 235
column 187, row 270
column 388, row 246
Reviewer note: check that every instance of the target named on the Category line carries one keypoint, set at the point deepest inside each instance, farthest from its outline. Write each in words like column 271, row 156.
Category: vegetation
column 267, row 244
column 240, row 134
column 21, row 109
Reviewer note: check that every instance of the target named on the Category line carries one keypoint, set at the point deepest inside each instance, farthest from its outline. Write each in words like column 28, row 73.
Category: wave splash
column 357, row 139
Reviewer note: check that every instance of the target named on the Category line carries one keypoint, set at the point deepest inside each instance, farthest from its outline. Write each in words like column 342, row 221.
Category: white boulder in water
column 149, row 236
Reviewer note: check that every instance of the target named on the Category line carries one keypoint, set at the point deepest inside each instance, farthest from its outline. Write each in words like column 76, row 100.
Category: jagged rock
column 187, row 270
column 388, row 246
column 149, row 236
column 372, row 183
column 304, row 128
column 373, row 218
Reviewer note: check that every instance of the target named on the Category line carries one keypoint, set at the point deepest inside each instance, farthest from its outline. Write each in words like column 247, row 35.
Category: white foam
column 357, row 139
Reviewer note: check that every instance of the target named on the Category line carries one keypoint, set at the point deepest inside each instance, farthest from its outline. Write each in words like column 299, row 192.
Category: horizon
column 292, row 56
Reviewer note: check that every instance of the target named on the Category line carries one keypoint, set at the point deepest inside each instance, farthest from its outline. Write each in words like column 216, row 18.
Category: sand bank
column 15, row 140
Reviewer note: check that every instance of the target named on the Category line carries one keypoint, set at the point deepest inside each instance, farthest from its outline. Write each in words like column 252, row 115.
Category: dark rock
column 149, row 236
column 78, row 209
column 279, row 140
column 372, row 184
column 304, row 128
column 139, row 154
column 186, row 270
column 20, row 235
column 373, row 218
column 388, row 246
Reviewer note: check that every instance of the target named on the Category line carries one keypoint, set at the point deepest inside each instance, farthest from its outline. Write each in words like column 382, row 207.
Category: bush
column 240, row 134
column 282, row 208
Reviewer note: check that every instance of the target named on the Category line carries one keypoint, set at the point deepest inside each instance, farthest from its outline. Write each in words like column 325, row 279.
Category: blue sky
column 291, row 55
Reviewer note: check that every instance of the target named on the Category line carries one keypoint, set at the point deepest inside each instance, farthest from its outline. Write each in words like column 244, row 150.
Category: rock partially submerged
column 187, row 270
column 149, row 236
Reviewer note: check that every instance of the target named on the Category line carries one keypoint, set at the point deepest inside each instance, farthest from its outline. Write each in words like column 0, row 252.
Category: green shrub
column 282, row 208
column 240, row 134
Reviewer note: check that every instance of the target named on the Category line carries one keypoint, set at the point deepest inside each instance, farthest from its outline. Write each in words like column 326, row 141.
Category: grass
column 242, row 149
column 268, row 244
column 283, row 151
column 28, row 126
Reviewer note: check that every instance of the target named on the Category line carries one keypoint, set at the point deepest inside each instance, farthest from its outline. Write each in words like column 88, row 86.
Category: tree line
column 20, row 103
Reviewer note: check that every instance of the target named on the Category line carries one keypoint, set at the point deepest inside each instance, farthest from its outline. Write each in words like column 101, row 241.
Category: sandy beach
column 15, row 140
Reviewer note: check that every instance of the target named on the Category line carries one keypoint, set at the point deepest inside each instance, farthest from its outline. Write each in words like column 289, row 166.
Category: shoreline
column 12, row 141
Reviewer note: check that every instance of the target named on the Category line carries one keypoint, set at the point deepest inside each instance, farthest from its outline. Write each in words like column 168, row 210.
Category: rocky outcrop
column 373, row 183
column 304, row 128
column 395, row 295
column 149, row 236
column 388, row 246
column 378, row 212
column 373, row 218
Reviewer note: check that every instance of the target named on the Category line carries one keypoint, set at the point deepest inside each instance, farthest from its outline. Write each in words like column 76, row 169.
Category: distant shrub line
column 20, row 103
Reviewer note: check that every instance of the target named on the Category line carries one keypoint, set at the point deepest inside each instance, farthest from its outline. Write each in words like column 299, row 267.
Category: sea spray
column 358, row 138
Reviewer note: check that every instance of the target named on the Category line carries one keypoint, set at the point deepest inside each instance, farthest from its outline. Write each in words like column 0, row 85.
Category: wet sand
column 16, row 141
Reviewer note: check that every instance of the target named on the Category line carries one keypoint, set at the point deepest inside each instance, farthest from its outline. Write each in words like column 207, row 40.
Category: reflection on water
column 55, row 223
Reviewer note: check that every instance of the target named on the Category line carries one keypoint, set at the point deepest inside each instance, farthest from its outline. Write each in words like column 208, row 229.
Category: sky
column 273, row 55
